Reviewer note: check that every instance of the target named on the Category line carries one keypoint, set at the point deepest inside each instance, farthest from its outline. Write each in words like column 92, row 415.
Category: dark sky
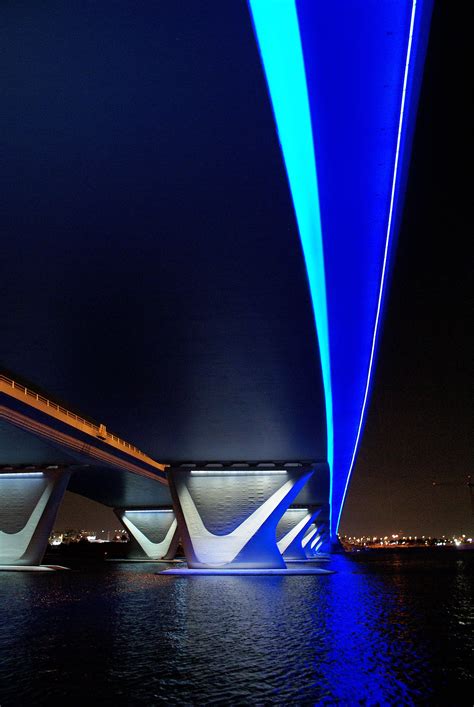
column 420, row 420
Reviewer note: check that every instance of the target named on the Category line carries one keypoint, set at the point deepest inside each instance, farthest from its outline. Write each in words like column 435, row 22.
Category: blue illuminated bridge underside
column 343, row 84
column 206, row 199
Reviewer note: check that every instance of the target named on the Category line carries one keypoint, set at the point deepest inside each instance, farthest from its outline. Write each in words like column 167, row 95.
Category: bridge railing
column 98, row 430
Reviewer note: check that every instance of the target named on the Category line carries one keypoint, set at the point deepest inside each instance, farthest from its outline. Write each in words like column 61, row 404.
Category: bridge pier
column 228, row 517
column 310, row 535
column 29, row 502
column 153, row 531
column 291, row 530
column 316, row 542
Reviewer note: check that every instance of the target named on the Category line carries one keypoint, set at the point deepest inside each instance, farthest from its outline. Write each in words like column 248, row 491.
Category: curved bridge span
column 202, row 205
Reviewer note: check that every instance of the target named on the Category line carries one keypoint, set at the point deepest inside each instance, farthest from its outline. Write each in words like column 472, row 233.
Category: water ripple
column 385, row 630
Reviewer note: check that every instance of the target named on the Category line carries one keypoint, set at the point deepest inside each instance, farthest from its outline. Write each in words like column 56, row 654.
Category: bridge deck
column 37, row 432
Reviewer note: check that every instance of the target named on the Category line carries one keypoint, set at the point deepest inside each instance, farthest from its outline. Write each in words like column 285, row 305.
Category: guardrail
column 99, row 431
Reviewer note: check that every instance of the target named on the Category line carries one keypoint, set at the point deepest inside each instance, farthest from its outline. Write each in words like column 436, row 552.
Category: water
column 393, row 628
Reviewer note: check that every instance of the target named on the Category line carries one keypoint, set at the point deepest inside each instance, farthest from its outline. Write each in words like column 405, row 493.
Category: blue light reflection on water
column 390, row 630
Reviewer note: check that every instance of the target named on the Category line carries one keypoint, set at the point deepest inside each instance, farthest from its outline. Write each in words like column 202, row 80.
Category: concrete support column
column 315, row 540
column 310, row 534
column 228, row 517
column 29, row 502
column 291, row 530
column 154, row 532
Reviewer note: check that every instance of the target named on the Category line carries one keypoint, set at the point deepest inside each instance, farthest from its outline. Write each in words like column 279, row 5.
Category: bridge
column 202, row 208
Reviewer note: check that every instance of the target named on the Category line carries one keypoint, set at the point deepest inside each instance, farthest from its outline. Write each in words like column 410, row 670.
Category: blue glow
column 359, row 64
column 388, row 236
column 308, row 537
column 278, row 36
column 341, row 81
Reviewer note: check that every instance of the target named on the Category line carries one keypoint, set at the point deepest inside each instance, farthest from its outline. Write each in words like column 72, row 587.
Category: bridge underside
column 112, row 487
column 205, row 234
column 242, row 515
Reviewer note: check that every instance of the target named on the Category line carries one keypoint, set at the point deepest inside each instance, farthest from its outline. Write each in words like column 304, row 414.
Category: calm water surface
column 391, row 629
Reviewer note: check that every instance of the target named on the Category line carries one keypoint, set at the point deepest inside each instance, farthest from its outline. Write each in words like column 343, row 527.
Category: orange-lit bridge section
column 46, row 448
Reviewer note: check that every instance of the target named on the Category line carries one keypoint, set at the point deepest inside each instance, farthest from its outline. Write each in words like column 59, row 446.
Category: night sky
column 420, row 420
